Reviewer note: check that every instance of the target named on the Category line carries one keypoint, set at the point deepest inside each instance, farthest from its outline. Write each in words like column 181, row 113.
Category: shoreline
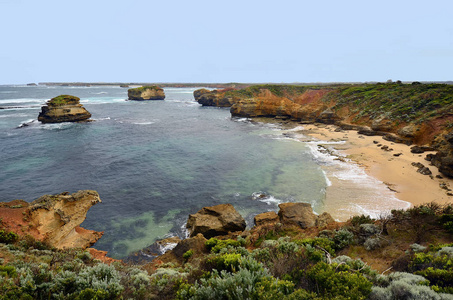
column 395, row 172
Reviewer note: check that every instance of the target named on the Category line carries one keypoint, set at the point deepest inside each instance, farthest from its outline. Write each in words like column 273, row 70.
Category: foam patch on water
column 361, row 193
column 265, row 198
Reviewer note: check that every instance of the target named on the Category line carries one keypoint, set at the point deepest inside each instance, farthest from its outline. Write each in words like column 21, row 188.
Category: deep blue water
column 152, row 162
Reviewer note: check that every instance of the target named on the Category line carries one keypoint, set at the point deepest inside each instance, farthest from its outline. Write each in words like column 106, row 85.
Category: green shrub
column 229, row 262
column 330, row 283
column 362, row 219
column 343, row 238
column 187, row 255
column 215, row 245
column 8, row 237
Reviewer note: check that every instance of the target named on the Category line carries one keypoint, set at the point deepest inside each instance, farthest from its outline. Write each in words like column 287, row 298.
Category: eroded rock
column 269, row 217
column 215, row 220
column 63, row 108
column 298, row 214
column 57, row 219
column 146, row 93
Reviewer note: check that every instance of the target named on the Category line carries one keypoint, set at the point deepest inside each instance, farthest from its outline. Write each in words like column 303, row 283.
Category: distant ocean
column 154, row 162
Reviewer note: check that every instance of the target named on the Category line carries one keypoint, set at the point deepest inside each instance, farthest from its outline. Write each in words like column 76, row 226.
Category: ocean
column 155, row 162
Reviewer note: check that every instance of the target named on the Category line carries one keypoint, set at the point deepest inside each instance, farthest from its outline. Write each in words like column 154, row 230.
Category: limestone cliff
column 146, row 93
column 54, row 219
column 63, row 108
column 404, row 113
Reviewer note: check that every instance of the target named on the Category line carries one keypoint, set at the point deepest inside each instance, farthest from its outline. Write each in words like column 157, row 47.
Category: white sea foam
column 13, row 115
column 21, row 100
column 143, row 123
column 265, row 198
column 167, row 247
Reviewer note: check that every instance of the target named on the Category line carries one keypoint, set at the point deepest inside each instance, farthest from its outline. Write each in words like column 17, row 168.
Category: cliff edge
column 53, row 219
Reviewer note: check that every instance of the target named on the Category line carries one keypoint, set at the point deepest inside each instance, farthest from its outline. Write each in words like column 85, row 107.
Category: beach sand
column 396, row 172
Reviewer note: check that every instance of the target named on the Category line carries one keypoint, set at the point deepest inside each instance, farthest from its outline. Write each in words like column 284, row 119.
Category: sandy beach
column 396, row 172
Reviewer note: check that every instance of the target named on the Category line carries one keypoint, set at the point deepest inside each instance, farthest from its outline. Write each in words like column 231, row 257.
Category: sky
column 225, row 41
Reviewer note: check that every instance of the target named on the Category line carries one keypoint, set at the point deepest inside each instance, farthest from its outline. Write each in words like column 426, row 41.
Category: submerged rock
column 146, row 93
column 63, row 108
column 215, row 220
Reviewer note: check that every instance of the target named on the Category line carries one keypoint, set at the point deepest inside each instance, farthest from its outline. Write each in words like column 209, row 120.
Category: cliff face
column 54, row 219
column 146, row 93
column 404, row 113
column 64, row 108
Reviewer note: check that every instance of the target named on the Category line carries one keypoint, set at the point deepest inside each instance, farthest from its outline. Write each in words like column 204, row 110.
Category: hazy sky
column 225, row 41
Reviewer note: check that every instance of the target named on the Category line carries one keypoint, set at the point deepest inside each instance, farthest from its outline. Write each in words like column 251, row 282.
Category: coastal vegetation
column 63, row 100
column 407, row 254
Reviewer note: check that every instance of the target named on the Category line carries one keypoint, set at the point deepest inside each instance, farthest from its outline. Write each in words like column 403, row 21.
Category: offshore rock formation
column 53, row 219
column 63, row 108
column 146, row 93
column 215, row 220
column 214, row 98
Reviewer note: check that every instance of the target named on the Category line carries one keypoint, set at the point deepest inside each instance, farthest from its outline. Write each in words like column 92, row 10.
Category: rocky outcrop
column 57, row 219
column 63, row 108
column 215, row 220
column 216, row 98
column 298, row 214
column 443, row 159
column 197, row 93
column 269, row 217
column 53, row 219
column 146, row 93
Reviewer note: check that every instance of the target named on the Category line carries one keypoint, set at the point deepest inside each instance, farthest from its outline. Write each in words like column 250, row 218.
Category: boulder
column 299, row 214
column 324, row 219
column 146, row 93
column 215, row 220
column 63, row 108
column 269, row 217
column 197, row 244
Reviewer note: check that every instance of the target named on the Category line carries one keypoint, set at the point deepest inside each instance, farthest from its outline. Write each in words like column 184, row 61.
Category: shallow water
column 154, row 162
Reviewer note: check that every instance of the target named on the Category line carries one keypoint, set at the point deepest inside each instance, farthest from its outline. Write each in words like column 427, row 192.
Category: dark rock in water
column 215, row 220
column 63, row 108
column 298, row 214
column 32, row 84
column 146, row 93
column 124, row 86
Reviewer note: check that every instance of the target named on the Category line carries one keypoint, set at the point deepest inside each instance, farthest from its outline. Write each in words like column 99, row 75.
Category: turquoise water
column 152, row 162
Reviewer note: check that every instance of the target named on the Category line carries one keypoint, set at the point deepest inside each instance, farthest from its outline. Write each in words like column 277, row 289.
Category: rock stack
column 63, row 108
column 146, row 93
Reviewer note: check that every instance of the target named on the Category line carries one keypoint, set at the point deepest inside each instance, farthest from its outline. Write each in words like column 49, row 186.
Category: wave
column 265, row 198
column 22, row 100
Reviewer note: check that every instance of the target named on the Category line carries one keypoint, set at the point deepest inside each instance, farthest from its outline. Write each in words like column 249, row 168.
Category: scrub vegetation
column 407, row 254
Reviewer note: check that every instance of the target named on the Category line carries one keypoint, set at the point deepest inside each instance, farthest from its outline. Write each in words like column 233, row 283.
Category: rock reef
column 63, row 108
column 146, row 93
column 53, row 219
